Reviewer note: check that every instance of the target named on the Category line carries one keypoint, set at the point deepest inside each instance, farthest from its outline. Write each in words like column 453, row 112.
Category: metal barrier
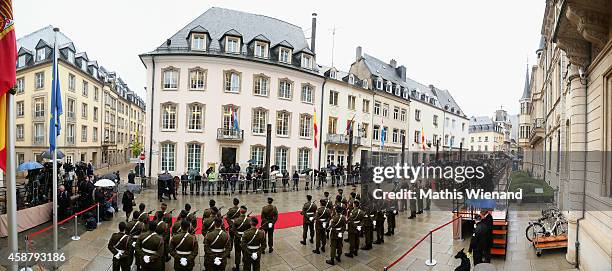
column 431, row 261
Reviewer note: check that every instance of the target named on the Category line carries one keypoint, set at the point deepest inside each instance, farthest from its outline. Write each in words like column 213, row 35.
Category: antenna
column 333, row 44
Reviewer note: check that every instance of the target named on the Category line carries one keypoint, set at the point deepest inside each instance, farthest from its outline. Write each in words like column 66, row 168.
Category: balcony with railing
column 71, row 116
column 342, row 139
column 230, row 134
column 38, row 140
column 537, row 130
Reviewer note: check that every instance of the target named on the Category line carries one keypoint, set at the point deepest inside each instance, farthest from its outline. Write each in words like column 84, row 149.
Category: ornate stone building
column 570, row 137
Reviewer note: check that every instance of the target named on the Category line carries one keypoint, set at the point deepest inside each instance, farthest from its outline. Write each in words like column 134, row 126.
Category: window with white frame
column 195, row 117
column 257, row 155
column 364, row 84
column 351, row 79
column 39, row 133
column 232, row 82
column 261, row 49
column 435, row 120
column 417, row 115
column 402, row 136
column 417, row 136
column 71, row 107
column 41, row 54
column 171, row 79
column 95, row 114
column 285, row 55
column 403, row 114
column 352, row 100
column 168, row 157
column 84, row 110
column 377, row 108
column 305, row 125
column 284, row 89
column 303, row 159
column 385, row 110
column 389, row 87
column 20, row 109
column 71, row 82
column 333, row 97
column 364, row 130
column 85, row 89
column 283, row 119
column 396, row 112
column 197, row 79
column 332, row 125
column 261, row 85
column 94, row 134
column 70, row 56
column 83, row 133
column 96, row 93
column 39, row 107
column 232, row 45
column 332, row 74
column 194, row 157
column 70, row 133
column 306, row 61
column 331, row 156
column 379, row 84
column 20, row 132
column 395, row 137
column 21, row 61
column 281, row 158
column 398, row 90
column 376, row 132
column 40, row 80
column 228, row 118
column 365, row 104
column 385, row 134
column 307, row 94
column 258, row 125
column 168, row 117
column 198, row 42
column 19, row 85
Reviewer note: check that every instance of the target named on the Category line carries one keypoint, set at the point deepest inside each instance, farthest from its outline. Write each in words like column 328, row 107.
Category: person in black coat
column 128, row 203
column 296, row 179
column 131, row 177
column 480, row 239
column 487, row 219
column 63, row 203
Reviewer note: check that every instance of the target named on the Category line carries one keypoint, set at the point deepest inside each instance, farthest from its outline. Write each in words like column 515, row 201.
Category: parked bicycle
column 552, row 223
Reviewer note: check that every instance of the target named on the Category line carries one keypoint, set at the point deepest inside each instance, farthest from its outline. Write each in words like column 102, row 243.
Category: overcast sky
column 476, row 49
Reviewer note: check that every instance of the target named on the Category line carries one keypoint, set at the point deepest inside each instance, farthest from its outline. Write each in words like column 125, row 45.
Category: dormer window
column 21, row 61
column 405, row 93
column 306, row 61
column 70, row 56
column 285, row 55
column 398, row 91
column 389, row 86
column 232, row 45
column 332, row 74
column 198, row 42
column 365, row 84
column 261, row 49
column 379, row 84
column 94, row 72
column 351, row 79
column 84, row 64
column 41, row 54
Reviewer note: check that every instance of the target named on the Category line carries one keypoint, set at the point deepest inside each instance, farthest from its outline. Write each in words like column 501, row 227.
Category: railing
column 342, row 139
column 230, row 134
column 431, row 261
column 38, row 140
column 536, row 127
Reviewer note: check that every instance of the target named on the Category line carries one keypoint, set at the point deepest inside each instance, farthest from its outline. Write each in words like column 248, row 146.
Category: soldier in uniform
column 253, row 244
column 134, row 228
column 216, row 247
column 322, row 217
column 150, row 249
column 368, row 228
column 184, row 248
column 120, row 245
column 337, row 225
column 391, row 212
column 208, row 223
column 241, row 224
column 191, row 217
column 354, row 228
column 177, row 228
column 144, row 216
column 379, row 226
column 232, row 213
column 308, row 212
column 207, row 212
column 413, row 202
column 163, row 229
column 269, row 215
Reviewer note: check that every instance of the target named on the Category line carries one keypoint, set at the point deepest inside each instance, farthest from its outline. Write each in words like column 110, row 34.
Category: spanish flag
column 8, row 58
column 423, row 138
column 316, row 129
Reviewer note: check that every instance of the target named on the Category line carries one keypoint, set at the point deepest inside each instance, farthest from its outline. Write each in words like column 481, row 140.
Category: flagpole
column 11, row 185
column 55, row 247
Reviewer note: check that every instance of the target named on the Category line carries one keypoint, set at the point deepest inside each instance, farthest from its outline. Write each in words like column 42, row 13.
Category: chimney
column 313, row 32
column 358, row 53
column 401, row 70
column 393, row 63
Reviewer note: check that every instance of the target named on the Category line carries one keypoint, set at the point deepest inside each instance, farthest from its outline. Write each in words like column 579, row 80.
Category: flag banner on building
column 382, row 136
column 316, row 129
column 8, row 58
column 56, row 104
column 349, row 125
column 235, row 118
column 423, row 138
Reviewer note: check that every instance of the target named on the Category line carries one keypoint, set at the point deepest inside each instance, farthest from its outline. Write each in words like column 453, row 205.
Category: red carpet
column 285, row 220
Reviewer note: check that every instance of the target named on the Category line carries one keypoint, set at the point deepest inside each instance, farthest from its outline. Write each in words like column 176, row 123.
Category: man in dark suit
column 479, row 242
column 487, row 218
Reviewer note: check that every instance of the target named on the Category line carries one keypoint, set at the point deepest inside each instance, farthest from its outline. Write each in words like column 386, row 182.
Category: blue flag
column 382, row 138
column 235, row 119
column 56, row 104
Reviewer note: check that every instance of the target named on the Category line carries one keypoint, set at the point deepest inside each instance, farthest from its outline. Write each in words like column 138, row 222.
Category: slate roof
column 218, row 21
column 481, row 120
column 527, row 88
column 382, row 69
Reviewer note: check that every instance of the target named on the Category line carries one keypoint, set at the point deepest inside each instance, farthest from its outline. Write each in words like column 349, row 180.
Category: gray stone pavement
column 90, row 253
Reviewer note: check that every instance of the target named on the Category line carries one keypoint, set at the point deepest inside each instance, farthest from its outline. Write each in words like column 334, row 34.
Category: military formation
column 328, row 222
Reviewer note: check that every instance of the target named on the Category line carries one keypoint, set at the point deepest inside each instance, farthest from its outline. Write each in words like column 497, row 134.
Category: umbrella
column 104, row 183
column 110, row 176
column 481, row 203
column 306, row 171
column 49, row 155
column 164, row 177
column 29, row 165
column 252, row 161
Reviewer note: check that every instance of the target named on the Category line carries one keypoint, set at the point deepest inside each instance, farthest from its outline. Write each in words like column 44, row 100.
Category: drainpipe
column 151, row 123
column 585, row 169
column 321, row 122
